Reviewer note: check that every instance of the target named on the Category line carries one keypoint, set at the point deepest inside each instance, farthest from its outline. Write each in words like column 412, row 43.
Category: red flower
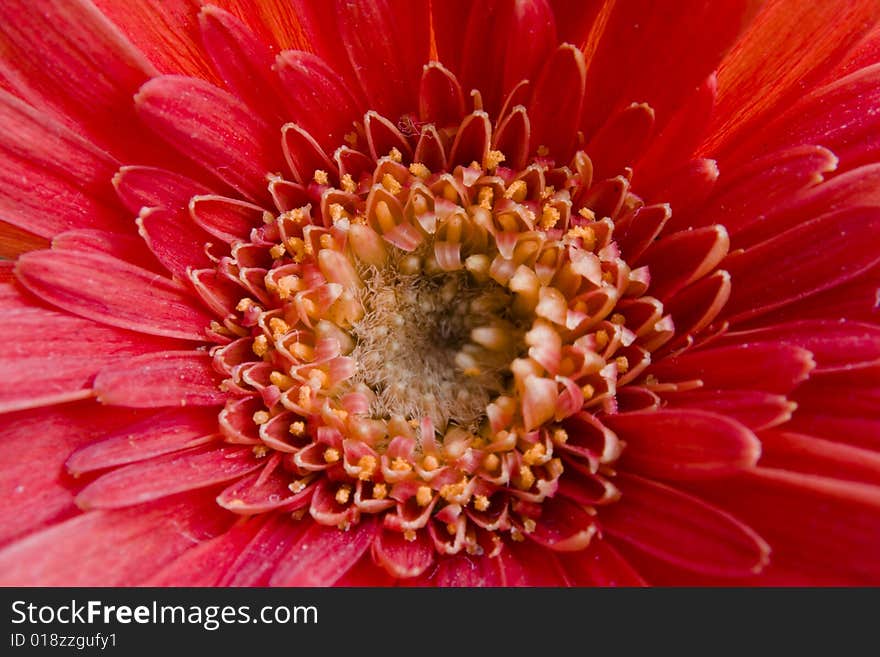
column 476, row 293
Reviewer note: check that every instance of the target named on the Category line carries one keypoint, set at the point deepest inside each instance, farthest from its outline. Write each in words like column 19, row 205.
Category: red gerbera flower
column 475, row 293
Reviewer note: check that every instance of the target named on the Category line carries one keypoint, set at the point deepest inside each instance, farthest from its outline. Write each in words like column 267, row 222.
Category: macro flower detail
column 490, row 293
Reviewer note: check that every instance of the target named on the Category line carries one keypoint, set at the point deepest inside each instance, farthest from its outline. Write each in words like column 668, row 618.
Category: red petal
column 684, row 257
column 769, row 367
column 555, row 109
column 788, row 48
column 621, row 140
column 462, row 571
column 816, row 255
column 683, row 444
column 140, row 187
column 658, row 54
column 111, row 548
column 212, row 128
column 50, row 178
column 51, row 357
column 753, row 408
column 226, row 218
column 81, row 283
column 441, row 101
column 526, row 564
column 387, row 45
column 403, row 558
column 600, row 565
column 149, row 480
column 563, row 526
column 169, row 431
column 124, row 247
column 683, row 530
column 324, row 554
column 803, row 453
column 174, row 239
column 260, row 493
column 635, row 232
column 165, row 378
column 693, row 308
column 321, row 100
column 94, row 71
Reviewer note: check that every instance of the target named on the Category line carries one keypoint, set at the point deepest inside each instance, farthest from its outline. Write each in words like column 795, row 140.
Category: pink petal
column 683, row 530
column 256, row 563
column 111, row 548
column 213, row 129
column 815, row 256
column 403, row 558
column 149, row 480
column 683, row 444
column 78, row 282
column 163, row 378
column 260, row 493
column 42, row 367
column 205, row 563
column 324, row 554
column 151, row 187
column 770, row 367
column 168, row 431
column 34, row 489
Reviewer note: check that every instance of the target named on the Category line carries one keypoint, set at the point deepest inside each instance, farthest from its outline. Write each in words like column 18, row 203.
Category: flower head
column 500, row 293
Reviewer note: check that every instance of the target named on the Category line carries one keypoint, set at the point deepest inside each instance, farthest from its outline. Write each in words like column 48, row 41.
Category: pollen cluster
column 418, row 341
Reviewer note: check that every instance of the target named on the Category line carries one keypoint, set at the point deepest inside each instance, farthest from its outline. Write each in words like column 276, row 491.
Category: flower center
column 422, row 342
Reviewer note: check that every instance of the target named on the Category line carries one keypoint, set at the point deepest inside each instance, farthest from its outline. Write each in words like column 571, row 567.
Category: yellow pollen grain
column 607, row 276
column 348, row 184
column 317, row 378
column 517, row 191
column 305, row 396
column 395, row 155
column 588, row 214
column 331, row 455
column 260, row 346
column 409, row 535
column 261, row 417
column 517, row 535
column 337, row 212
column 481, row 502
column 651, row 380
column 260, row 451
column 380, row 491
column 529, row 525
column 472, row 371
column 278, row 327
column 601, row 339
column 302, row 351
column 543, row 151
column 368, row 465
column 560, row 436
column 622, row 364
column 534, row 454
column 297, row 486
column 449, row 491
column 244, row 304
column 554, row 468
column 493, row 159
column 430, row 462
column 424, row 495
column 343, row 494
column 526, row 477
column 281, row 380
column 321, row 177
column 419, row 170
column 618, row 319
column 286, row 285
column 277, row 251
column 586, row 234
column 390, row 183
column 297, row 428
column 297, row 248
column 268, row 217
column 588, row 391
column 400, row 465
column 351, row 138
column 485, row 197
column 297, row 215
column 491, row 462
column 549, row 217
column 549, row 191
column 451, row 528
column 342, row 415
